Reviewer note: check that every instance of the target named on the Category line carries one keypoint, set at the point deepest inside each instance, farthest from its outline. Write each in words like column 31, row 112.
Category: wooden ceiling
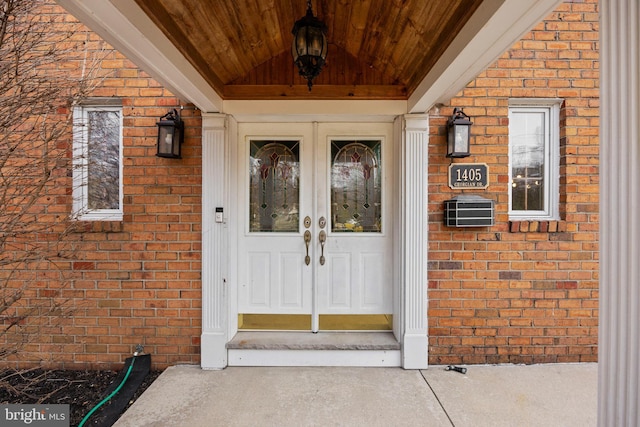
column 378, row 49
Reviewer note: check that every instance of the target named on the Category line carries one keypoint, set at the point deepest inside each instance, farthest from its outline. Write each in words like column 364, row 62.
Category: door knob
column 307, row 240
column 323, row 239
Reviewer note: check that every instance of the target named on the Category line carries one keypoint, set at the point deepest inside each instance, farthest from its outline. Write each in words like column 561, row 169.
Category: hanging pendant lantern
column 309, row 46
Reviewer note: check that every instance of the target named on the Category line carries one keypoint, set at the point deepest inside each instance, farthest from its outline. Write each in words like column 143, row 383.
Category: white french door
column 315, row 226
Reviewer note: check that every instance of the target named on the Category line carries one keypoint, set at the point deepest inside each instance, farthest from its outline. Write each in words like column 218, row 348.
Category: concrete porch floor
column 505, row 395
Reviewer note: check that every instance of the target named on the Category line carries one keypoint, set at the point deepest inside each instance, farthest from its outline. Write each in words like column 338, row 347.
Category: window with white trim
column 534, row 159
column 97, row 161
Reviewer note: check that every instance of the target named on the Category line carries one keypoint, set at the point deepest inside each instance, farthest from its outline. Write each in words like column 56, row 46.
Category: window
column 534, row 152
column 356, row 186
column 274, row 185
column 97, row 160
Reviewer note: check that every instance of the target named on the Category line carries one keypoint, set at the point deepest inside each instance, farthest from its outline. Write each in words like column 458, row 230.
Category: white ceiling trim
column 128, row 29
column 494, row 28
column 316, row 110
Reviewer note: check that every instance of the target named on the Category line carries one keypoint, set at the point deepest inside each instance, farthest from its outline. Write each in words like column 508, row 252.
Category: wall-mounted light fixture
column 309, row 46
column 170, row 135
column 458, row 132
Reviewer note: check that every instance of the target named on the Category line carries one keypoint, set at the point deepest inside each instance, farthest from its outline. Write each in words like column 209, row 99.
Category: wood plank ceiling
column 378, row 49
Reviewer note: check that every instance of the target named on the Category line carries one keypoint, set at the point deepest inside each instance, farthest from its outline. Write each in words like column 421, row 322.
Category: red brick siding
column 522, row 292
column 142, row 282
column 131, row 281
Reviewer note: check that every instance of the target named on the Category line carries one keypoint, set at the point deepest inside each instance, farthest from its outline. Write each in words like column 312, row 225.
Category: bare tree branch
column 47, row 67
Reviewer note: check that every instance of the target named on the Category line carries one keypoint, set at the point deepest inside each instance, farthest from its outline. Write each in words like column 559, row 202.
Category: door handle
column 307, row 240
column 323, row 239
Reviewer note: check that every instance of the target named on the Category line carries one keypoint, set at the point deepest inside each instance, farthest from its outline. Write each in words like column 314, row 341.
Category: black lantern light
column 459, row 130
column 309, row 46
column 170, row 135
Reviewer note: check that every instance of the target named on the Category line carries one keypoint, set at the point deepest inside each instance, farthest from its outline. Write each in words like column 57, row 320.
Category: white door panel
column 292, row 276
column 372, row 288
column 363, row 255
column 258, row 291
column 336, row 295
column 272, row 276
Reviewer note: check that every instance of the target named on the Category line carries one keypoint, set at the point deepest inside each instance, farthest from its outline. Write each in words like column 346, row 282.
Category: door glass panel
column 274, row 169
column 356, row 190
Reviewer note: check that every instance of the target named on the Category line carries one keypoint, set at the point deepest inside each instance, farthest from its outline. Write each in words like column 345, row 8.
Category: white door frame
column 265, row 285
column 219, row 301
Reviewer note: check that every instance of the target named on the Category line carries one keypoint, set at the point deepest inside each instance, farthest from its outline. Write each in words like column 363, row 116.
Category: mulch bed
column 82, row 390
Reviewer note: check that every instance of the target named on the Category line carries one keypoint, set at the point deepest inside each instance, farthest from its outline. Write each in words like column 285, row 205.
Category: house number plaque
column 468, row 175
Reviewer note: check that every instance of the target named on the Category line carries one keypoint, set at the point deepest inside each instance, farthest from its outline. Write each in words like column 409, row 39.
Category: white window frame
column 551, row 109
column 81, row 209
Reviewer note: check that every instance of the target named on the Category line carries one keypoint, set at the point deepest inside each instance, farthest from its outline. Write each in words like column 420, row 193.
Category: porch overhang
column 492, row 28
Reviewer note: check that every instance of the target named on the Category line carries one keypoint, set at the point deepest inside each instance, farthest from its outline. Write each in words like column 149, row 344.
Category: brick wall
column 119, row 283
column 138, row 281
column 522, row 292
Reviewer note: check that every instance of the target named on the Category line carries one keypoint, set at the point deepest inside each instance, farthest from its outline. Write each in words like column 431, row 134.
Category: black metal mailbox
column 469, row 211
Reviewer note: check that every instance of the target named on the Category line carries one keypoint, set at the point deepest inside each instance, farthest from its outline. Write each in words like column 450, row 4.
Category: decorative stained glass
column 274, row 181
column 356, row 186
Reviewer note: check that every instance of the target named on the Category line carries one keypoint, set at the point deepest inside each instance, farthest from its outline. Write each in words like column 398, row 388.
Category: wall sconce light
column 309, row 46
column 170, row 135
column 459, row 130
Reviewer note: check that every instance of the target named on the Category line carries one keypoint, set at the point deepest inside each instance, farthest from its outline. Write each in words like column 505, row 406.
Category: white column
column 214, row 239
column 619, row 330
column 414, row 219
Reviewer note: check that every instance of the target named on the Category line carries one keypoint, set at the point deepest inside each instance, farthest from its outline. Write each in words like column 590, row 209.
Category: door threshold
column 309, row 349
column 269, row 340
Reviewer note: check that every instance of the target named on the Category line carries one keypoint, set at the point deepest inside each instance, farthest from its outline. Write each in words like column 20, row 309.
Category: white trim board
column 356, row 358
